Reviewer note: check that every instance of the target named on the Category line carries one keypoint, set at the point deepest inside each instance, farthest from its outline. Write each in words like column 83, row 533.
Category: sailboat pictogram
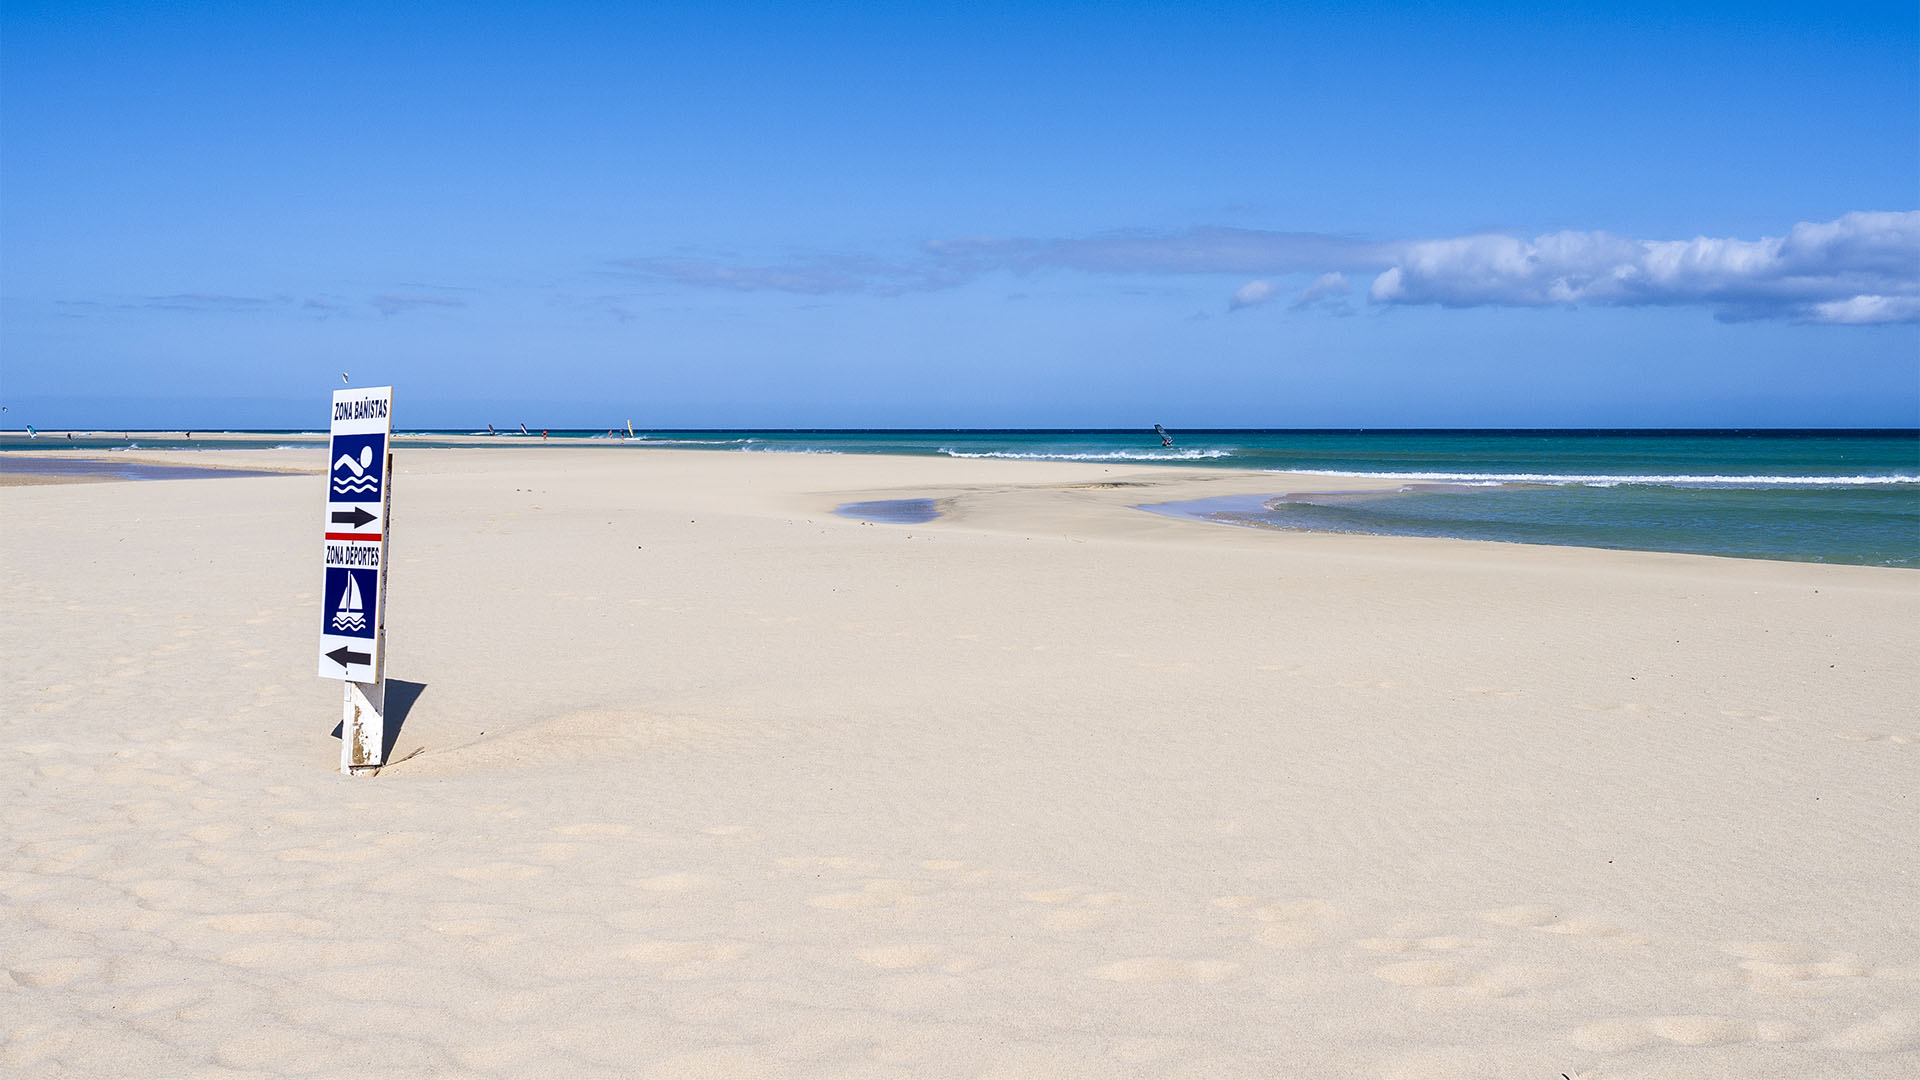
column 352, row 614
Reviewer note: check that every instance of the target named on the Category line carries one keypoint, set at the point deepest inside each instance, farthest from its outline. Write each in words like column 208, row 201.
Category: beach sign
column 354, row 590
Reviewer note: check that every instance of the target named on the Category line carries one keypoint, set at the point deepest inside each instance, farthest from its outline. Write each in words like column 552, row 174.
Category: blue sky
column 968, row 215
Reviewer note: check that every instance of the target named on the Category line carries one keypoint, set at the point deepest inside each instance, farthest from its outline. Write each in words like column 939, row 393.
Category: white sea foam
column 1108, row 455
column 688, row 442
column 1602, row 480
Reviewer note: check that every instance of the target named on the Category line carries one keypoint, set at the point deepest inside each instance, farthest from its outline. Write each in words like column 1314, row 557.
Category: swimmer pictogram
column 358, row 464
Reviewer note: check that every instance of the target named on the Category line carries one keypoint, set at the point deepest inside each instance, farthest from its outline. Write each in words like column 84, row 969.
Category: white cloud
column 1867, row 310
column 1327, row 290
column 1252, row 294
column 1861, row 267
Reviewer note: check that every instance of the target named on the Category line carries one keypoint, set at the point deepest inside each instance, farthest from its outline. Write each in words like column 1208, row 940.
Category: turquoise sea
column 1818, row 496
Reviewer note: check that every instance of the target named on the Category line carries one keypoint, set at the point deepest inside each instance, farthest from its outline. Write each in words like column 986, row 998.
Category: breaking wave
column 650, row 440
column 1096, row 455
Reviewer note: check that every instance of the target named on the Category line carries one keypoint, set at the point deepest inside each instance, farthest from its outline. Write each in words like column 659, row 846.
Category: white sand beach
column 697, row 779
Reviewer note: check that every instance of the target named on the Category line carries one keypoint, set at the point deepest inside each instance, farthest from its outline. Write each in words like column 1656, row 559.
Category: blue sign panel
column 359, row 466
column 350, row 606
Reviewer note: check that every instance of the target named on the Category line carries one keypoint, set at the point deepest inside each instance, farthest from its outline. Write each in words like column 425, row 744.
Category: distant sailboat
column 352, row 614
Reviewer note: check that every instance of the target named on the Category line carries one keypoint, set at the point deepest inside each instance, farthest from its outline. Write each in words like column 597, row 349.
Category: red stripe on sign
column 353, row 536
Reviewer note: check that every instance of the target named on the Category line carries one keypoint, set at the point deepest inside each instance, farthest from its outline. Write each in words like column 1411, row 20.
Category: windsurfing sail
column 524, row 431
column 1165, row 439
column 629, row 429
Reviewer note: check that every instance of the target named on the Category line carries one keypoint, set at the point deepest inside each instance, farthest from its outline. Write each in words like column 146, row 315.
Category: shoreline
column 1235, row 491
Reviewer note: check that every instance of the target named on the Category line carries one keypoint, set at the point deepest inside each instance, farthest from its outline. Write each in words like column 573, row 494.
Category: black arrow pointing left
column 346, row 657
column 355, row 517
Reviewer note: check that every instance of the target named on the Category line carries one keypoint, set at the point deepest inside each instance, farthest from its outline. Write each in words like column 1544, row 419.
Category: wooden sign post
column 353, row 603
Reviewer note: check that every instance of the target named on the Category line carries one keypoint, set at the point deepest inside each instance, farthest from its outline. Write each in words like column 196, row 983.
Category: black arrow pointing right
column 346, row 657
column 355, row 517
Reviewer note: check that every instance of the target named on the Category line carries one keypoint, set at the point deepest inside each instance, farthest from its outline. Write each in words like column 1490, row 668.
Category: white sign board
column 353, row 604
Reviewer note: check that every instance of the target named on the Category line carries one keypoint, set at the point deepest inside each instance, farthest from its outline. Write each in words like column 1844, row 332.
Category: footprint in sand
column 672, row 883
column 328, row 855
column 1453, row 983
column 477, row 928
column 1897, row 739
column 1554, row 921
column 963, row 873
column 1424, row 973
column 916, row 956
column 1073, row 909
column 879, row 893
column 498, row 871
column 681, row 952
column 55, row 972
column 594, row 828
column 686, row 959
column 559, row 852
column 1616, row 1036
column 1284, row 924
column 1523, row 915
column 835, row 862
column 1744, row 714
column 1439, row 943
column 1798, row 970
column 731, row 832
column 1165, row 969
